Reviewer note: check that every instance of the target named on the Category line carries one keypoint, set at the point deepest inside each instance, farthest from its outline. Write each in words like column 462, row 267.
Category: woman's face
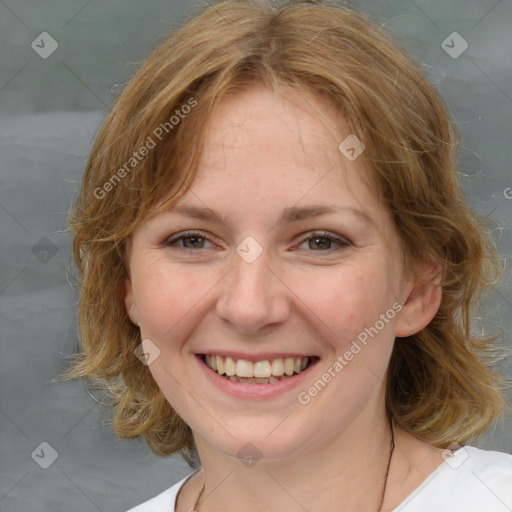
column 276, row 278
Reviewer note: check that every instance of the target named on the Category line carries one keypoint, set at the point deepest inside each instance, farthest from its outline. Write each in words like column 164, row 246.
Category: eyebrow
column 288, row 215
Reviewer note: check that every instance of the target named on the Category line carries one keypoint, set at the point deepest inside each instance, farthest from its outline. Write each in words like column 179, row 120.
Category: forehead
column 267, row 156
column 284, row 146
column 293, row 127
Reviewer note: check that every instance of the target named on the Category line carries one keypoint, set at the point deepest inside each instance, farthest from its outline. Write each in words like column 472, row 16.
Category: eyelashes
column 341, row 242
column 170, row 242
column 197, row 238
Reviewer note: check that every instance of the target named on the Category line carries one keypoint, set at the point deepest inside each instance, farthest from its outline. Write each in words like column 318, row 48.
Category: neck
column 349, row 475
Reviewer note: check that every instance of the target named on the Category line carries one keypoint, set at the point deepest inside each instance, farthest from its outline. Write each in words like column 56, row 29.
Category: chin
column 267, row 444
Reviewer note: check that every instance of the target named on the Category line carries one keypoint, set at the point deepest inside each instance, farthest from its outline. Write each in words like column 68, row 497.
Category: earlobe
column 134, row 315
column 129, row 303
column 422, row 302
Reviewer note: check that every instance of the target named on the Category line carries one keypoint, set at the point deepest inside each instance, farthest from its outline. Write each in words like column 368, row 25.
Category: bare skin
column 263, row 154
column 412, row 462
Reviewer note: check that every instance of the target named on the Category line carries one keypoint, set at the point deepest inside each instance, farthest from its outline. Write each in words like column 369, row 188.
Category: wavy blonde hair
column 440, row 386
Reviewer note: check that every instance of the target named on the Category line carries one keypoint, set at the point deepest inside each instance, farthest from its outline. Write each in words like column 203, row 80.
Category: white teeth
column 230, row 366
column 241, row 370
column 278, row 367
column 244, row 368
column 220, row 366
column 262, row 369
column 289, row 366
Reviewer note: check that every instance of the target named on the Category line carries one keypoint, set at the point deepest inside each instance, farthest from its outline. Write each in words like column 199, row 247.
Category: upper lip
column 262, row 356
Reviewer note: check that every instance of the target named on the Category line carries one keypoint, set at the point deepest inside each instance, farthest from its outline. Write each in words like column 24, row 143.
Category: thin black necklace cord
column 195, row 508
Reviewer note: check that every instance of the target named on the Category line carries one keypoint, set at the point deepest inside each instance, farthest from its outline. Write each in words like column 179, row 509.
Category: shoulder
column 163, row 502
column 470, row 480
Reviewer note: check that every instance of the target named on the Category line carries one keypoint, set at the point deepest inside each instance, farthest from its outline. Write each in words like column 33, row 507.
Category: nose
column 253, row 298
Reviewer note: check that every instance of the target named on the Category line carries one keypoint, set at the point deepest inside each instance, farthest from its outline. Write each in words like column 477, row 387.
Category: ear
column 127, row 290
column 423, row 300
column 129, row 302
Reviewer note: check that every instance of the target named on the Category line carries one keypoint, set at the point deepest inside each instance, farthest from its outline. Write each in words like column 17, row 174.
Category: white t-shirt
column 470, row 480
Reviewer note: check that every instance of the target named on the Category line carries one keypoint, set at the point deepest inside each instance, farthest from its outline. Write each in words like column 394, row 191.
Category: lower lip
column 252, row 389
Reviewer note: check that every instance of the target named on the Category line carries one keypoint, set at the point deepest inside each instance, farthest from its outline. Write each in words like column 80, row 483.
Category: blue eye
column 323, row 246
column 196, row 240
column 319, row 242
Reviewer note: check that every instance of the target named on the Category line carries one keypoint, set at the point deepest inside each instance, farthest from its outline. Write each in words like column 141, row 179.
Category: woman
column 277, row 270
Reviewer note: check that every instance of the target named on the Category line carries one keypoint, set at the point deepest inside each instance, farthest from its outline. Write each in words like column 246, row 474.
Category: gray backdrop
column 52, row 101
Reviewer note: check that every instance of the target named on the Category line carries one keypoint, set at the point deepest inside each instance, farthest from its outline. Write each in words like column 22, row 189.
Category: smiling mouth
column 258, row 372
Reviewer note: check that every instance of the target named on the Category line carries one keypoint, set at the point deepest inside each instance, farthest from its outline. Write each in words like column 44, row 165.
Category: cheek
column 346, row 299
column 168, row 294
